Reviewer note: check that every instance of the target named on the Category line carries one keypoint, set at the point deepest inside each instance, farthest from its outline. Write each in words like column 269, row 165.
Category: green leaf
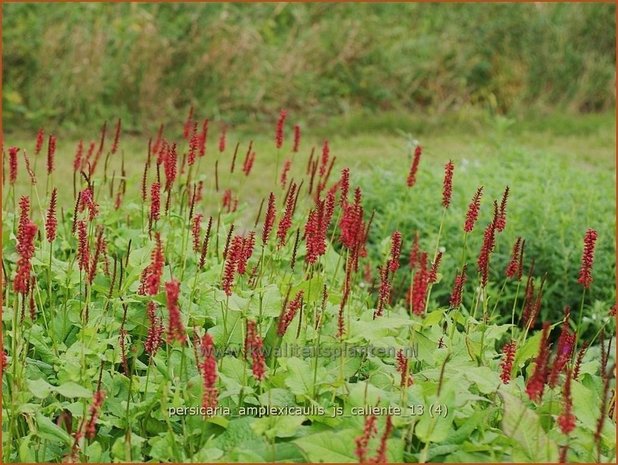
column 49, row 430
column 329, row 446
column 72, row 389
column 522, row 425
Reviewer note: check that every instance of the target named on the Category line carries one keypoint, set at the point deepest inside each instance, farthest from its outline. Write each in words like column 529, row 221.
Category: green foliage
column 552, row 202
column 80, row 64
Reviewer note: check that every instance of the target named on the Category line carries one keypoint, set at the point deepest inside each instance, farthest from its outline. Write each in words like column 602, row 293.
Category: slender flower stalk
column 447, row 185
column 418, row 150
column 585, row 272
column 506, row 365
column 473, row 210
column 175, row 330
column 536, row 382
column 50, row 221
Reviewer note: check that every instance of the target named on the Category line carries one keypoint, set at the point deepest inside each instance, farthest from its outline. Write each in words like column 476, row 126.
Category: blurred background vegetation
column 381, row 65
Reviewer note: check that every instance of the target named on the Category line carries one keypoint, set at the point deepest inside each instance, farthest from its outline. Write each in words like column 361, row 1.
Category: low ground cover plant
column 162, row 317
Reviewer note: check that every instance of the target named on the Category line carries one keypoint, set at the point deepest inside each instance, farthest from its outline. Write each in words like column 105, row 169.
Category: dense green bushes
column 84, row 63
column 552, row 203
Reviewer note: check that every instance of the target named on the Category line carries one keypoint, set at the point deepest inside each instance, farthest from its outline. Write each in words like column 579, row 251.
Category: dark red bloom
column 381, row 452
column 86, row 201
column 196, row 227
column 578, row 360
column 284, row 172
column 501, row 220
column 248, row 242
column 403, row 369
column 26, row 234
column 362, row 442
column 94, row 412
column 269, row 220
column 418, row 150
column 566, row 420
column 279, row 129
column 344, row 182
column 457, row 292
column 254, row 347
column 296, row 138
column 232, row 258
column 13, row 151
column 83, row 251
column 433, row 273
column 175, row 330
column 473, row 210
column 209, row 373
column 512, row 269
column 585, row 272
column 536, row 382
column 50, row 220
column 155, row 202
column 489, row 242
column 152, row 274
column 317, row 227
column 155, row 330
column 393, row 263
column 447, row 185
column 418, row 292
column 324, row 159
column 51, row 152
column 351, row 223
column 564, row 351
column 506, row 365
column 39, row 141
column 289, row 313
column 170, row 168
column 286, row 221
column 79, row 152
column 116, row 136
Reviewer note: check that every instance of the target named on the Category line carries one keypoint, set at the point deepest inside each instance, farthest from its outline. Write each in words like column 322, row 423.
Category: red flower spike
column 457, row 292
column 155, row 330
column 254, row 347
column 418, row 150
column 279, row 129
column 209, row 373
column 51, row 151
column 370, row 429
column 196, row 226
column 566, row 420
column 473, row 210
column 116, row 136
column 284, row 173
column 13, row 151
column 296, row 138
column 501, row 220
column 289, row 313
column 447, row 185
column 536, row 382
column 50, row 220
column 433, row 274
column 152, row 274
column 512, row 269
column 506, row 365
column 269, row 220
column 393, row 263
column 585, row 272
column 39, row 141
column 94, row 412
column 175, row 330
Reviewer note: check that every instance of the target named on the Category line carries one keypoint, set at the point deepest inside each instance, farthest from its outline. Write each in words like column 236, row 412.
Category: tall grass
column 79, row 64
